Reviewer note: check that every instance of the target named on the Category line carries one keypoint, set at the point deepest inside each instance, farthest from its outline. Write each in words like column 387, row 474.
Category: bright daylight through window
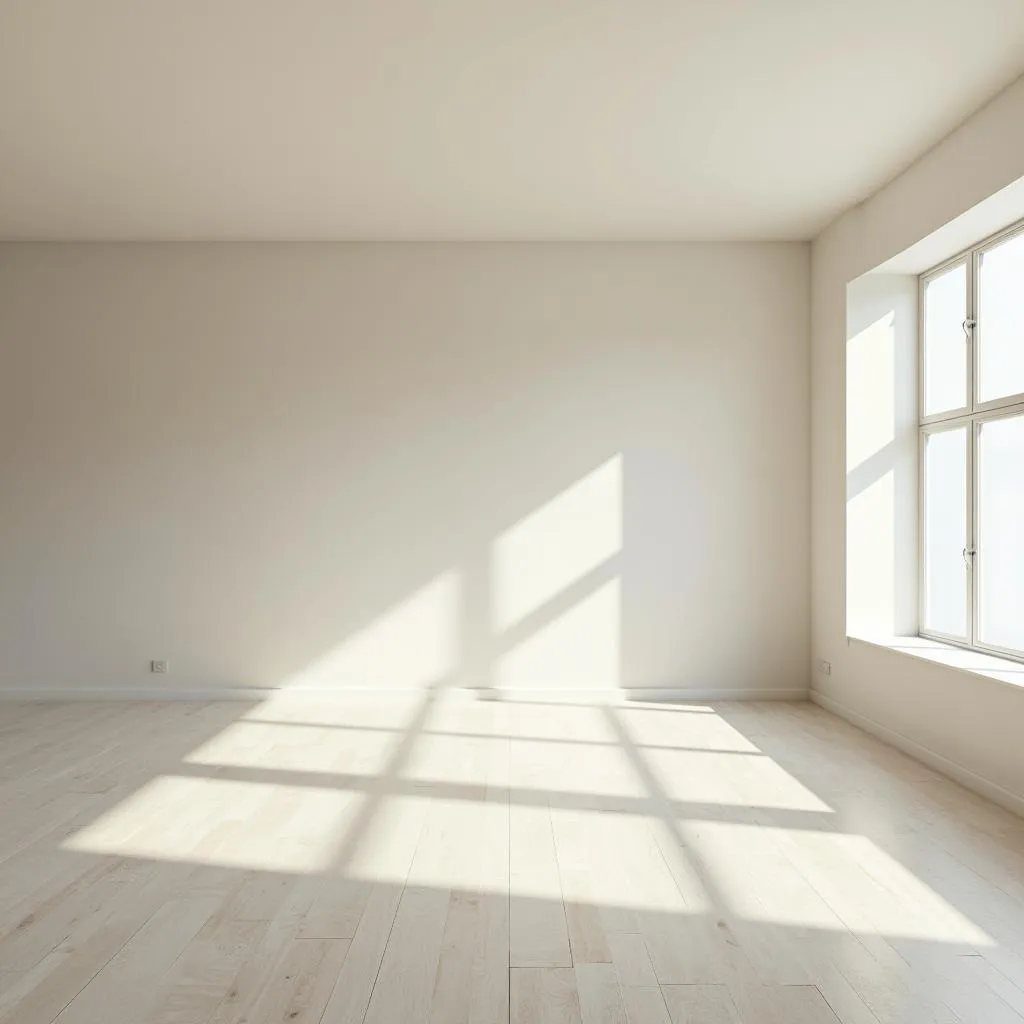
column 972, row 447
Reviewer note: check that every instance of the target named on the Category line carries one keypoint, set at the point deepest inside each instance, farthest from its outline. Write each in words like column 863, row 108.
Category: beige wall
column 973, row 723
column 527, row 465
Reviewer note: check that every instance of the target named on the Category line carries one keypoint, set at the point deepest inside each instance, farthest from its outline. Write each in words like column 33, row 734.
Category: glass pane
column 1001, row 321
column 1001, row 533
column 945, row 532
column 945, row 345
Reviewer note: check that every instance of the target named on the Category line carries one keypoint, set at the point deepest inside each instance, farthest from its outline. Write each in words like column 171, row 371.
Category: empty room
column 511, row 512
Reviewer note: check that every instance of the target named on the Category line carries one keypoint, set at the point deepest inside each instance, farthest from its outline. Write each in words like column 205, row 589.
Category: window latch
column 969, row 554
column 968, row 326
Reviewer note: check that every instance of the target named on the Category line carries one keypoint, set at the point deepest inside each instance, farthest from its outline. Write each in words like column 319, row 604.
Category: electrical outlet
column 158, row 666
column 824, row 667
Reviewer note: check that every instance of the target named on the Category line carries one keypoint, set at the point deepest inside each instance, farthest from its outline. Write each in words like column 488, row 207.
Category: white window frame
column 971, row 416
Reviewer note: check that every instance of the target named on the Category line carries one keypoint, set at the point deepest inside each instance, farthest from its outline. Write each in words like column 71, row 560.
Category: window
column 972, row 448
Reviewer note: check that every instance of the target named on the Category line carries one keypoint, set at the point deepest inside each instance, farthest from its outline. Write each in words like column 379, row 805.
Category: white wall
column 520, row 465
column 974, row 722
column 881, row 456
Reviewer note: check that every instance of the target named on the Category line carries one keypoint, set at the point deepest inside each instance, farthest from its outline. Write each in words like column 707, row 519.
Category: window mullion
column 972, row 533
column 974, row 264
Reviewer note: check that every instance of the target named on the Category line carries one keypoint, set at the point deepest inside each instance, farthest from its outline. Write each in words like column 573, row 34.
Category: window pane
column 1001, row 533
column 945, row 345
column 945, row 532
column 1001, row 321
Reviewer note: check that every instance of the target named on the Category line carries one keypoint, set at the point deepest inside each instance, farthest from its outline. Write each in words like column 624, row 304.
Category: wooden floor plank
column 701, row 1004
column 442, row 859
column 600, row 997
column 645, row 1005
column 544, row 995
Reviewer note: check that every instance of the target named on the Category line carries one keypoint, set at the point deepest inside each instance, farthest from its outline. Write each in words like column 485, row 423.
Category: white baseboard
column 254, row 693
column 685, row 693
column 969, row 779
column 663, row 695
column 84, row 693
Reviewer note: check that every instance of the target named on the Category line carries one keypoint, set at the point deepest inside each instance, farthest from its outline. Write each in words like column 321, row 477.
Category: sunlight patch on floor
column 823, row 880
column 268, row 827
column 270, row 747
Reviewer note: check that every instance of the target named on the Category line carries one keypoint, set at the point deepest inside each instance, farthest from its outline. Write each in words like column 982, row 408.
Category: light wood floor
column 448, row 859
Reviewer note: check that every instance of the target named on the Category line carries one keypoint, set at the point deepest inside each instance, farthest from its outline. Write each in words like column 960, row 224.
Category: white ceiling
column 494, row 119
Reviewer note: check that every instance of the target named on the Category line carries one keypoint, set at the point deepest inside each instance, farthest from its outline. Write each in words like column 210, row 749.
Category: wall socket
column 824, row 667
column 158, row 666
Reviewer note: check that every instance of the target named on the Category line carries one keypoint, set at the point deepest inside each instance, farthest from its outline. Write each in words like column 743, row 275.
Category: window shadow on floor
column 438, row 856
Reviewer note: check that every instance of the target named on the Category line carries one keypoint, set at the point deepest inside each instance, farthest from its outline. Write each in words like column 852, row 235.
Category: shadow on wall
column 881, row 456
column 504, row 466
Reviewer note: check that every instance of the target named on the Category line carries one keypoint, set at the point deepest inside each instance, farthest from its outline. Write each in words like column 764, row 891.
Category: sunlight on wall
column 414, row 644
column 882, row 455
column 577, row 650
column 871, row 558
column 268, row 827
column 558, row 544
column 870, row 390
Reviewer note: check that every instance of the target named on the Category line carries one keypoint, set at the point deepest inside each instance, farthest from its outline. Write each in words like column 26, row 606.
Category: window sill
column 1003, row 670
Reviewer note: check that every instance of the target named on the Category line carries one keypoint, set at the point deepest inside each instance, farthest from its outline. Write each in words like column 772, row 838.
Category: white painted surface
column 403, row 120
column 979, row 783
column 595, row 697
column 969, row 720
column 881, row 455
column 326, row 465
